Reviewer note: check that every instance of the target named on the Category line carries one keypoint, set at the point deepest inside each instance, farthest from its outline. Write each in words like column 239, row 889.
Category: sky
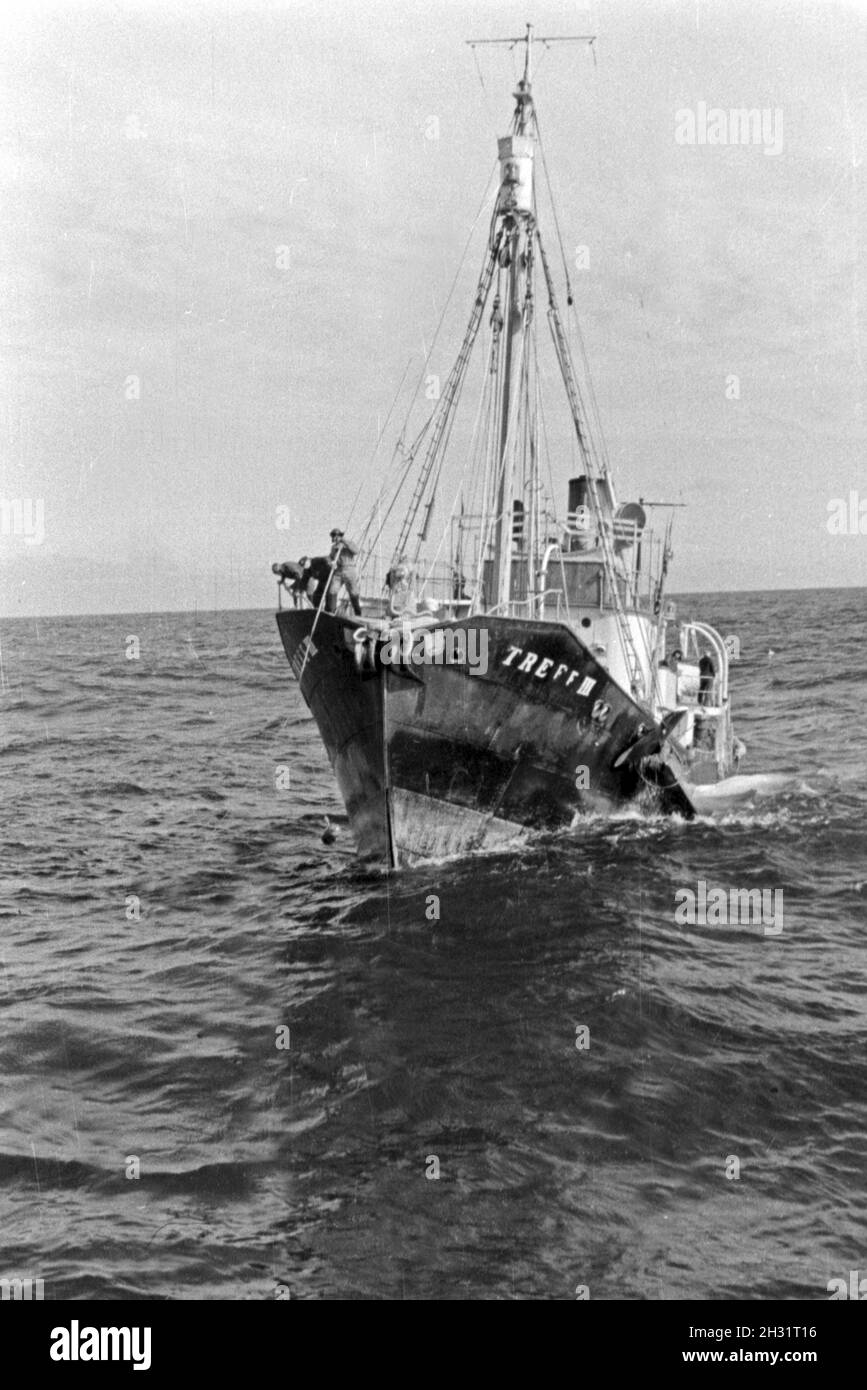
column 229, row 232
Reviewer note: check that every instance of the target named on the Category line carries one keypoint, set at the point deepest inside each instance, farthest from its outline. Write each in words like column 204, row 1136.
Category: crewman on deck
column 290, row 575
column 460, row 592
column 706, row 677
column 318, row 575
column 305, row 578
column 301, row 585
column 399, row 581
column 342, row 557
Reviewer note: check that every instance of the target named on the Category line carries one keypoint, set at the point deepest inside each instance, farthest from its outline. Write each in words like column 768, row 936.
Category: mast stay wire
column 487, row 99
column 553, row 495
column 499, row 518
column 468, row 473
column 446, row 407
column 598, row 440
column 576, row 405
column 474, row 465
column 410, row 459
column 379, row 439
column 410, row 456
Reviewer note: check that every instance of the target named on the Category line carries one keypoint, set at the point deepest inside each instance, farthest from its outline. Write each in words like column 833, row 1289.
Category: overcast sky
column 171, row 378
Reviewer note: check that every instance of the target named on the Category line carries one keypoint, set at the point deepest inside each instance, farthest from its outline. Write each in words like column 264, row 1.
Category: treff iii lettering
column 545, row 667
column 102, row 1344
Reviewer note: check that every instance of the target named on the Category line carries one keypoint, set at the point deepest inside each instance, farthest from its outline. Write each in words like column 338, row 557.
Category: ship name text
column 540, row 667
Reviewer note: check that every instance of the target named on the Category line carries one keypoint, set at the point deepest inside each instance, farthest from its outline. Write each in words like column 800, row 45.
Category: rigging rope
column 567, row 370
column 449, row 399
column 570, row 301
column 410, row 458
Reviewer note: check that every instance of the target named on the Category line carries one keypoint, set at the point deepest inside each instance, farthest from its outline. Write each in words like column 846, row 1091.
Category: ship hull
column 474, row 749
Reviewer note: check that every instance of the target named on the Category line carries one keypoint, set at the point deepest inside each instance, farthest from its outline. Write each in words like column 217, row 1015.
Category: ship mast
column 516, row 208
column 516, row 217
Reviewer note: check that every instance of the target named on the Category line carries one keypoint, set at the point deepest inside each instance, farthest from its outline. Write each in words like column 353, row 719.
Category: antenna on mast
column 525, row 101
column 528, row 40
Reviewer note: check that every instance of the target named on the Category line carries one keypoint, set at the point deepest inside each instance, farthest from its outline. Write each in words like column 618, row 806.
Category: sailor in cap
column 342, row 557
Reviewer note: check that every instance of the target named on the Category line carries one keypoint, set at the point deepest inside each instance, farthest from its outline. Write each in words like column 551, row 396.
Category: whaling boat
column 515, row 669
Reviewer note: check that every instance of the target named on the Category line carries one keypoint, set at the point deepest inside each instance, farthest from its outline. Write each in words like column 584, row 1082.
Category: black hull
column 434, row 760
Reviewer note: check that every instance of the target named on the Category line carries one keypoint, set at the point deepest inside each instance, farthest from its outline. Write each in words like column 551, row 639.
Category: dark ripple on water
column 166, row 910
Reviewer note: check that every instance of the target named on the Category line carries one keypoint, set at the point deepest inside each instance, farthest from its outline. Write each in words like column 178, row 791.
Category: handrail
column 722, row 735
column 716, row 642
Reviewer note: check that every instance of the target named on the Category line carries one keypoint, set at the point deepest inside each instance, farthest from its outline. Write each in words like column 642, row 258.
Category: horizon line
column 193, row 612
